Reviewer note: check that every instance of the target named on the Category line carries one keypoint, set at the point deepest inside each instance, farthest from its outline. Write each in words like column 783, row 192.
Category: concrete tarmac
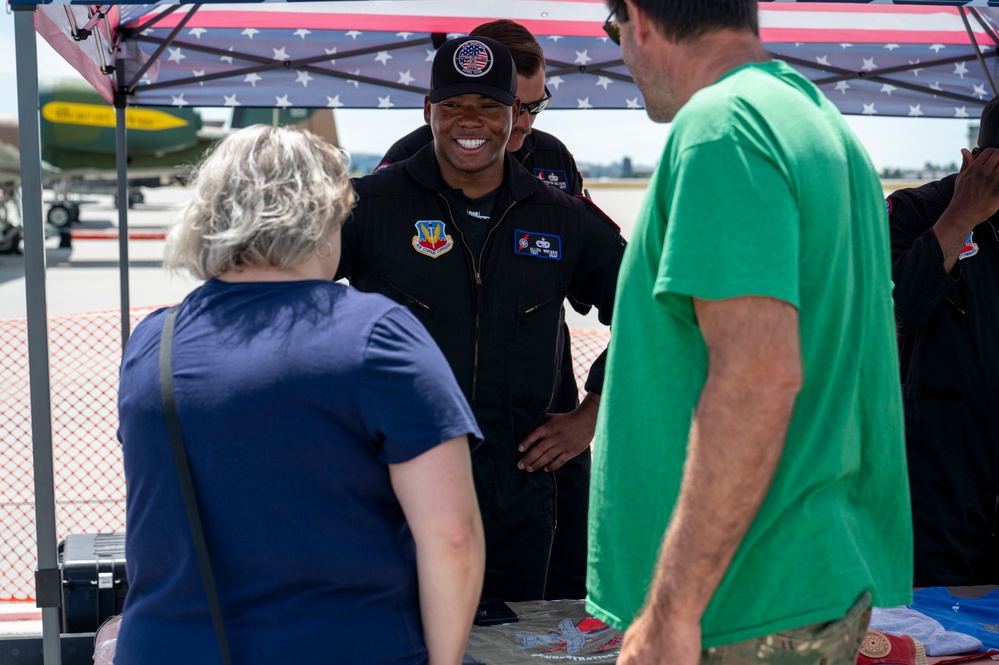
column 86, row 277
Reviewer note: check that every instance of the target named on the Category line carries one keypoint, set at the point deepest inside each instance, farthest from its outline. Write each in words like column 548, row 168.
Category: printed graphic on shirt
column 431, row 238
column 970, row 248
column 589, row 639
column 553, row 177
column 477, row 215
column 537, row 245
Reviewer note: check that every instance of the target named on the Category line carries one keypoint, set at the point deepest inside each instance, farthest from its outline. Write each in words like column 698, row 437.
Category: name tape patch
column 537, row 245
column 553, row 177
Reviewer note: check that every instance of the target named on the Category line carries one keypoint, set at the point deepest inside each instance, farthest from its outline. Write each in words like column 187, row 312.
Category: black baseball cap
column 988, row 130
column 473, row 65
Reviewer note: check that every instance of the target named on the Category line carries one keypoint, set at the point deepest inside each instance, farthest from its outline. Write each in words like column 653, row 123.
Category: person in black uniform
column 484, row 254
column 945, row 252
column 543, row 154
column 548, row 159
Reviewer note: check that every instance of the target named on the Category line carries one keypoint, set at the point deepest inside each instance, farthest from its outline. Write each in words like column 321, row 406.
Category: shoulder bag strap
column 186, row 482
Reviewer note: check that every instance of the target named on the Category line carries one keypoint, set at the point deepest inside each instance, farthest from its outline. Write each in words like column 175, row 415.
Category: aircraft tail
column 318, row 121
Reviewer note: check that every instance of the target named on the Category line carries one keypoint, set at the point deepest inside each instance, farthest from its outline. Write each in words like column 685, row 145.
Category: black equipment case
column 94, row 582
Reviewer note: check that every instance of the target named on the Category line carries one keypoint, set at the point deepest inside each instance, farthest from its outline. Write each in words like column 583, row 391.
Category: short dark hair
column 988, row 130
column 681, row 20
column 528, row 56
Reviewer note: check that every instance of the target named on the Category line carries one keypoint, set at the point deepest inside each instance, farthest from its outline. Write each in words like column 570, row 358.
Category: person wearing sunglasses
column 749, row 500
column 485, row 255
column 549, row 160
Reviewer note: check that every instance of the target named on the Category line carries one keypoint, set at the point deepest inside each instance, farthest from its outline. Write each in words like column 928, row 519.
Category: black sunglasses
column 611, row 25
column 537, row 107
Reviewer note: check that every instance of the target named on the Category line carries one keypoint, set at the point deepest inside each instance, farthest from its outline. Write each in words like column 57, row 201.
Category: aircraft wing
column 10, row 165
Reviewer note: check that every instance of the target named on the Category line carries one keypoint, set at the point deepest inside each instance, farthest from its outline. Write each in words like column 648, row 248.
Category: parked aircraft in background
column 10, row 174
column 10, row 180
column 77, row 128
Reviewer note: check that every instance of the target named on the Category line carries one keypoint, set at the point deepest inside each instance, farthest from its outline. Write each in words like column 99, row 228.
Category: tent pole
column 978, row 51
column 121, row 162
column 47, row 578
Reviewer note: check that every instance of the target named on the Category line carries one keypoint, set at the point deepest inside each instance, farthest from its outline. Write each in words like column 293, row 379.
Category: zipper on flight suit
column 476, row 282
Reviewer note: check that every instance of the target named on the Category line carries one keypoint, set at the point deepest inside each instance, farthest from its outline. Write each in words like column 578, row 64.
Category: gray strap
column 186, row 481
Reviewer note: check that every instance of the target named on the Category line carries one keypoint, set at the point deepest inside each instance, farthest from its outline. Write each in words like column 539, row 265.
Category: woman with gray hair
column 327, row 438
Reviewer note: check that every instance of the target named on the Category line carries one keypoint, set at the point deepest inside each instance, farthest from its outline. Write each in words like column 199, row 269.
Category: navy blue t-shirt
column 293, row 398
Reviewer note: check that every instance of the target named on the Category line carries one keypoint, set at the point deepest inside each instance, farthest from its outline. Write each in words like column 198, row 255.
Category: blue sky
column 593, row 135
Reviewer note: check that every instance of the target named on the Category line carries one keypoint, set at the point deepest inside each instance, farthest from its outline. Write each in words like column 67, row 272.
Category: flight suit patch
column 553, row 177
column 431, row 238
column 970, row 248
column 537, row 245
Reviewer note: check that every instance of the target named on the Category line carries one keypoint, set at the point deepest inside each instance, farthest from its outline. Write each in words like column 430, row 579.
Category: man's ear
column 640, row 23
column 426, row 108
column 515, row 109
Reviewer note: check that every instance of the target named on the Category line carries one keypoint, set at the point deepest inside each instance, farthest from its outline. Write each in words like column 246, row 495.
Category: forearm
column 951, row 231
column 437, row 495
column 736, row 441
column 450, row 573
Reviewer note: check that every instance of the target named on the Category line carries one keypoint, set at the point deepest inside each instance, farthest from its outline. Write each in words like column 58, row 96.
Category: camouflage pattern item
column 830, row 643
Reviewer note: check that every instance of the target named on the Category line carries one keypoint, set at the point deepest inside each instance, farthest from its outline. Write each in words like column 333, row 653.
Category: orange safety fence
column 84, row 356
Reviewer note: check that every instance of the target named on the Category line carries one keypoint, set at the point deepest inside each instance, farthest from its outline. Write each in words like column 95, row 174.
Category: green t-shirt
column 762, row 190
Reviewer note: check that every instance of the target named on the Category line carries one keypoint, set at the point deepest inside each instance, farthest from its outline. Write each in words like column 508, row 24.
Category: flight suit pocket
column 407, row 288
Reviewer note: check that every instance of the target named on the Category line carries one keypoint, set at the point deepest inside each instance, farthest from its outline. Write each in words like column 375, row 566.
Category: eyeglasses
column 537, row 107
column 612, row 29
column 612, row 26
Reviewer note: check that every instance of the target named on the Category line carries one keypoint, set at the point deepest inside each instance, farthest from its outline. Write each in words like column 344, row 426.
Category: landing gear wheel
column 10, row 239
column 59, row 216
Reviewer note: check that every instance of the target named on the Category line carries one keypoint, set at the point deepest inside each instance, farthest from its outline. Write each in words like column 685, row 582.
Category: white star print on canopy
column 870, row 58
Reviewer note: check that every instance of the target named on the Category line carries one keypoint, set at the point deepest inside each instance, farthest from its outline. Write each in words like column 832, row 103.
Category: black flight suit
column 949, row 344
column 497, row 317
column 548, row 159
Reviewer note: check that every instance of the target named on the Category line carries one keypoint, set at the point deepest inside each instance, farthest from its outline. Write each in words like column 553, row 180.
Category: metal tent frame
column 90, row 35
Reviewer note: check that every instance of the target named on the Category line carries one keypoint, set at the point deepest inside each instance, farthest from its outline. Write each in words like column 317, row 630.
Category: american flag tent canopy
column 874, row 58
column 870, row 58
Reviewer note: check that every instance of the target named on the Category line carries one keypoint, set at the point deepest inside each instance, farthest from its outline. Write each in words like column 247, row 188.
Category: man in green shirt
column 749, row 493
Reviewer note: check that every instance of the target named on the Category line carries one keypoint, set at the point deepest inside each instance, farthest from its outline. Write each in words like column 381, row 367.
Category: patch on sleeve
column 970, row 248
column 888, row 206
column 537, row 245
column 553, row 177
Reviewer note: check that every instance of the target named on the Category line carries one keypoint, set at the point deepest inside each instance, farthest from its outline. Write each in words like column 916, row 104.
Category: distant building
column 623, row 169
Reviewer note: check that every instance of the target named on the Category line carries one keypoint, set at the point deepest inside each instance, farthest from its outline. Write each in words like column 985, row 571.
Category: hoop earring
column 329, row 250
